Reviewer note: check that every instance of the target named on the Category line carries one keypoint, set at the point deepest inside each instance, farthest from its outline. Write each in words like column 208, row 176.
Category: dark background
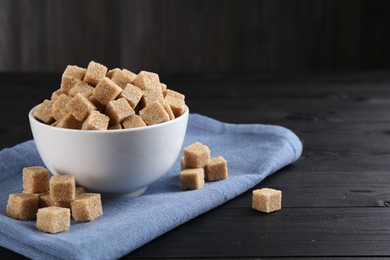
column 188, row 36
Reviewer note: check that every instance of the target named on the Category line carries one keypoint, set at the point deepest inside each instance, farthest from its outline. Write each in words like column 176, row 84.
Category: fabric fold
column 253, row 152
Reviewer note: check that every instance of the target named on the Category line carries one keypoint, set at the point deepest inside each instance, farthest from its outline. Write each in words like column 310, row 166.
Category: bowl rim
column 136, row 129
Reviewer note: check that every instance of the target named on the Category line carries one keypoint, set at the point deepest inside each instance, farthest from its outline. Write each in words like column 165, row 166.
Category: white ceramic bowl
column 122, row 162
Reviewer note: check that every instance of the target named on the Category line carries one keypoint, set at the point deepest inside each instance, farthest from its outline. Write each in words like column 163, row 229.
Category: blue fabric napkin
column 252, row 151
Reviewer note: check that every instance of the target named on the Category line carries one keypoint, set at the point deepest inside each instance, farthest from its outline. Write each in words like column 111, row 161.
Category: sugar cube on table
column 267, row 200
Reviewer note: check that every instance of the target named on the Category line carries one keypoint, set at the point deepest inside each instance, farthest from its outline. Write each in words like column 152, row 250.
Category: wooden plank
column 193, row 36
column 9, row 56
column 79, row 32
column 336, row 195
column 317, row 189
column 291, row 232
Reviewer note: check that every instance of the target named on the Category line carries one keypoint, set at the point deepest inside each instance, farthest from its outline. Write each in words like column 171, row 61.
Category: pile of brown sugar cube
column 52, row 201
column 197, row 166
column 95, row 98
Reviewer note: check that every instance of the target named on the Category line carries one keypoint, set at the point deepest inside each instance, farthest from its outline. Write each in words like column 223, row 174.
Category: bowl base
column 132, row 194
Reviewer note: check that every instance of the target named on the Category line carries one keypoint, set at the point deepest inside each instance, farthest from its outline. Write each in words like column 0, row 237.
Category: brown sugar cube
column 147, row 80
column 96, row 103
column 95, row 72
column 163, row 88
column 196, row 155
column 172, row 93
column 192, row 179
column 168, row 108
column 182, row 163
column 67, row 83
column 44, row 112
column 133, row 121
column 121, row 78
column 216, row 169
column 79, row 190
column 56, row 94
column 130, row 74
column 154, row 114
column 87, row 207
column 59, row 106
column 37, row 194
column 35, row 179
column 62, row 188
column 74, row 71
column 105, row 91
column 96, row 121
column 53, row 219
column 118, row 110
column 22, row 206
column 62, row 204
column 150, row 96
column 116, row 126
column 132, row 94
column 80, row 107
column 177, row 105
column 111, row 72
column 81, row 87
column 69, row 121
column 46, row 201
column 267, row 200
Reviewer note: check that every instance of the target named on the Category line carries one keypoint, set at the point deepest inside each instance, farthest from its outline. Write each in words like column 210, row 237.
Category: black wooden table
column 336, row 197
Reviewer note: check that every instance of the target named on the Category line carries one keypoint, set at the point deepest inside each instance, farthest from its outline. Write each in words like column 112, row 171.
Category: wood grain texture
column 296, row 232
column 174, row 36
column 335, row 197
